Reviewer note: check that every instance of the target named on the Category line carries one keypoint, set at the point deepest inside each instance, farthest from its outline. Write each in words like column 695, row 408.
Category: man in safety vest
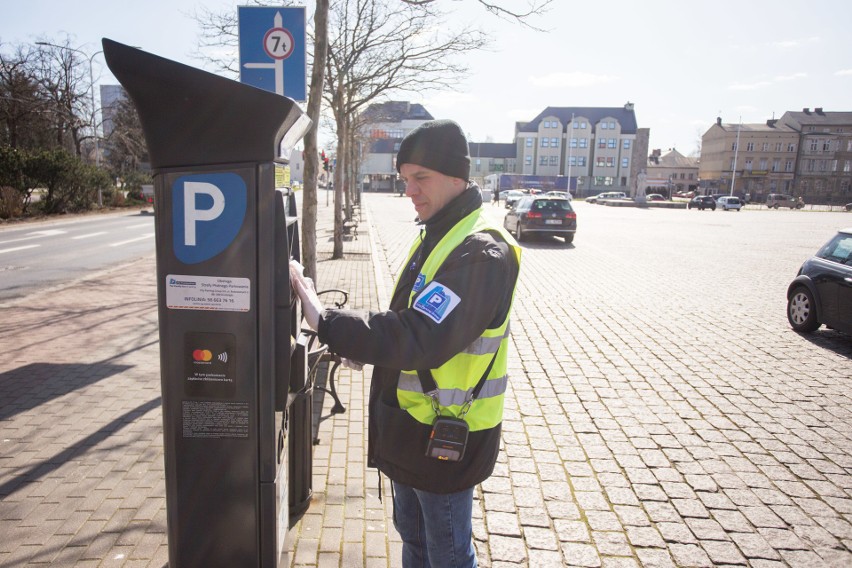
column 439, row 352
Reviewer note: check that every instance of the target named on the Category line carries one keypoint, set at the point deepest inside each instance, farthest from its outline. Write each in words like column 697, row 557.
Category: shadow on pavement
column 45, row 467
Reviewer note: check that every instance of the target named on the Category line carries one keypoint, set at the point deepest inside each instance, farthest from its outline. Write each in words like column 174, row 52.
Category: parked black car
column 821, row 293
column 702, row 202
column 541, row 215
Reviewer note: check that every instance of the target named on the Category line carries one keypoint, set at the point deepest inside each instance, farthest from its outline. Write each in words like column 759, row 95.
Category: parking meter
column 228, row 320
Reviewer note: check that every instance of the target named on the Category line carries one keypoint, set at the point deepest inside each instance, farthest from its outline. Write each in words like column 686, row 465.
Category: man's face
column 429, row 190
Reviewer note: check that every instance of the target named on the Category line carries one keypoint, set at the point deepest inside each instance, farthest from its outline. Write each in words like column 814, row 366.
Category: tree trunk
column 338, row 185
column 309, row 198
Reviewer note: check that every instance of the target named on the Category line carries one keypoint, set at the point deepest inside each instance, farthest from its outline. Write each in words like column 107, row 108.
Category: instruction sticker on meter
column 217, row 293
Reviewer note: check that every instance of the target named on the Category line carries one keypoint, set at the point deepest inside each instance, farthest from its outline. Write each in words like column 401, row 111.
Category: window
column 612, row 126
column 682, row 175
column 626, row 144
column 528, row 160
column 733, row 146
column 529, row 142
column 554, row 142
column 604, row 126
column 542, row 160
column 478, row 164
column 625, row 162
column 546, row 124
column 691, row 176
column 813, row 145
column 776, row 165
column 731, row 167
column 750, row 147
column 554, row 160
column 791, row 147
column 600, row 161
column 778, row 146
column 612, row 143
column 582, row 125
column 545, row 142
column 581, row 160
column 810, row 165
column 610, row 162
column 573, row 142
column 766, row 146
column 584, row 142
column 608, row 180
column 602, row 143
column 572, row 160
column 762, row 166
column 748, row 164
column 788, row 166
column 826, row 146
column 599, row 180
column 822, row 165
column 847, row 166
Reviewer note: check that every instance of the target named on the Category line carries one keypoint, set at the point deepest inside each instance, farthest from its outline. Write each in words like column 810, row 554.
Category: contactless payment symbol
column 207, row 214
column 437, row 301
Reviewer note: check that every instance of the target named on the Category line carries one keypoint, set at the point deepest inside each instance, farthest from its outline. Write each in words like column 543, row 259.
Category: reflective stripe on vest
column 457, row 377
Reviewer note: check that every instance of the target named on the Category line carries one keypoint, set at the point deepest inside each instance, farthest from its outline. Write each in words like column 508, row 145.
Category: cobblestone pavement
column 660, row 413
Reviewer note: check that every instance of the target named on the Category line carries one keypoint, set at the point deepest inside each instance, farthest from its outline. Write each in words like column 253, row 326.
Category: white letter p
column 191, row 214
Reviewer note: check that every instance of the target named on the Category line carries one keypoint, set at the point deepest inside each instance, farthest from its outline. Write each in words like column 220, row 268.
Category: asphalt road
column 36, row 255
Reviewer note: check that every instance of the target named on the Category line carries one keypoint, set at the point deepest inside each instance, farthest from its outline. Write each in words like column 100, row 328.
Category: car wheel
column 713, row 208
column 775, row 206
column 519, row 232
column 569, row 238
column 801, row 310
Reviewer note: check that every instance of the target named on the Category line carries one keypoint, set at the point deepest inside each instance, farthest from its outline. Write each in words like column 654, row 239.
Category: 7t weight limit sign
column 278, row 43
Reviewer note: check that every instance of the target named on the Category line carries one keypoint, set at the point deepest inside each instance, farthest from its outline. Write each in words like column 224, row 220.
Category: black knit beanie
column 439, row 145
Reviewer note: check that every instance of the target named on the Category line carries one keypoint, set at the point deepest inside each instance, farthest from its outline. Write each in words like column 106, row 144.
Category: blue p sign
column 207, row 214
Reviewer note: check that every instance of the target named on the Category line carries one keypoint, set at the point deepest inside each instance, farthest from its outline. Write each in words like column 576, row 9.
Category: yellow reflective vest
column 457, row 377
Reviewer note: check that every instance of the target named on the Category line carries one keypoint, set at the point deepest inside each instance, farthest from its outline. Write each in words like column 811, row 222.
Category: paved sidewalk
column 617, row 450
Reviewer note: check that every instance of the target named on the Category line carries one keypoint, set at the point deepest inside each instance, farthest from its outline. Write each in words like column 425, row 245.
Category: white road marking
column 35, row 235
column 89, row 235
column 13, row 249
column 148, row 236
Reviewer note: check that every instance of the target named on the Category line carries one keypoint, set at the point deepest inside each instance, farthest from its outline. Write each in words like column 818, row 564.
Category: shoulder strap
column 430, row 387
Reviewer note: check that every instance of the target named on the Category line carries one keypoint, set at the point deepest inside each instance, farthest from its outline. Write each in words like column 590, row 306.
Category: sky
column 681, row 64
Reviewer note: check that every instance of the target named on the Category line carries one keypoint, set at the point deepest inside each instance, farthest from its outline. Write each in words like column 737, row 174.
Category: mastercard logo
column 202, row 355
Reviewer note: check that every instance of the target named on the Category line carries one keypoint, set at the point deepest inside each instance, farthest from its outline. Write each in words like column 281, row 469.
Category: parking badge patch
column 436, row 301
column 418, row 284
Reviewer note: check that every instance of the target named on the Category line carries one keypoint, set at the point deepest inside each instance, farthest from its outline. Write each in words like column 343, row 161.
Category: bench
column 319, row 353
column 350, row 227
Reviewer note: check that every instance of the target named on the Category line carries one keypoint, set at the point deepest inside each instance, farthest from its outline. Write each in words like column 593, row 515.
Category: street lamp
column 94, row 116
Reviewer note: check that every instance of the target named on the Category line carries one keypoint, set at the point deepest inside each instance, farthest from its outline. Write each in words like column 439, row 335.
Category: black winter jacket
column 482, row 271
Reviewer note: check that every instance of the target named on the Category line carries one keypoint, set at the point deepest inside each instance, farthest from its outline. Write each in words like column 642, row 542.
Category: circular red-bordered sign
column 278, row 43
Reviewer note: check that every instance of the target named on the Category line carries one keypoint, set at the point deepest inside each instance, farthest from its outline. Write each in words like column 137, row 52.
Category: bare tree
column 126, row 142
column 522, row 16
column 378, row 47
column 309, row 197
column 63, row 77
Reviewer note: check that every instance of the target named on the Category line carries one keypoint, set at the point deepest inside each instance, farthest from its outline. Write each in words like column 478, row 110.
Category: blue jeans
column 436, row 529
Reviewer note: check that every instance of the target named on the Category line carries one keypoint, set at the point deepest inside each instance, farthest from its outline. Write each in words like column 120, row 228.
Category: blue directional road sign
column 272, row 50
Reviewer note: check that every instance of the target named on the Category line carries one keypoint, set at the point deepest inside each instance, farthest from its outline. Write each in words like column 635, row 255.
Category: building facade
column 592, row 144
column 824, row 156
column 600, row 147
column 670, row 173
column 807, row 154
column 383, row 126
column 759, row 158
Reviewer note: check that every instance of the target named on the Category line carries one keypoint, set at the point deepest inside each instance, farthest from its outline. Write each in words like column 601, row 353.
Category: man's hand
column 304, row 287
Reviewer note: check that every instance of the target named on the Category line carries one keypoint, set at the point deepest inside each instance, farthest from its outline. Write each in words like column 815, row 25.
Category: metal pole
column 736, row 151
column 570, row 152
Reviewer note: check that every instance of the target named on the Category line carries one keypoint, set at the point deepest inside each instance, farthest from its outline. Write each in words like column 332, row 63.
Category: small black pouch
column 448, row 439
